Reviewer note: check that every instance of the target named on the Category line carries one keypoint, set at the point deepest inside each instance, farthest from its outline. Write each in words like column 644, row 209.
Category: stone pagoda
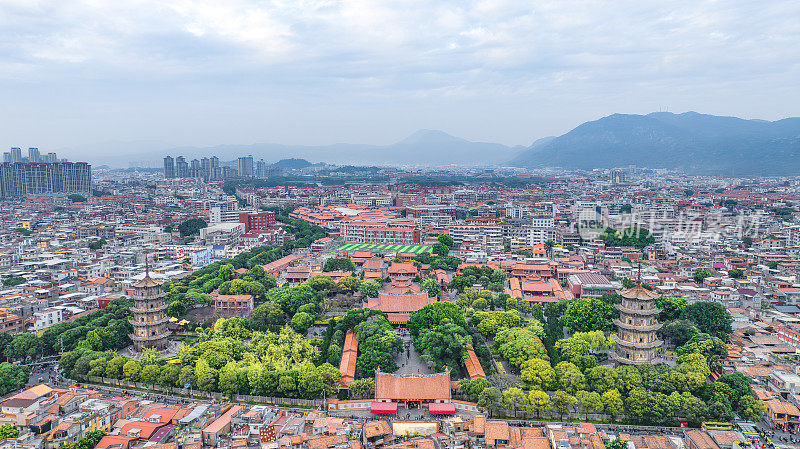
column 637, row 343
column 149, row 315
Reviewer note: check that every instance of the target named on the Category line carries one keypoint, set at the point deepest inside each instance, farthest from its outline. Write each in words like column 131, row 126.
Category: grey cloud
column 208, row 72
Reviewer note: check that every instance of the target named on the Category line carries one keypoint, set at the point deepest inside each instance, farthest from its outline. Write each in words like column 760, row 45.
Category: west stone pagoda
column 637, row 343
column 149, row 315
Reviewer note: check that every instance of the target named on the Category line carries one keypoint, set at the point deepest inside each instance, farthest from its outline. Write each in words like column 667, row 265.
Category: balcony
column 160, row 336
column 639, row 312
column 636, row 345
column 634, row 327
column 626, row 361
column 159, row 321
column 158, row 308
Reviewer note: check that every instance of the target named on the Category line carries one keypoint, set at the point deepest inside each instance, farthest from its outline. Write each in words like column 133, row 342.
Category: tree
column 131, row 370
column 446, row 240
column 679, row 331
column 191, row 226
column 480, row 304
column 671, row 308
column 444, row 345
column 330, row 376
column 633, row 236
column 14, row 281
column 700, row 275
column 94, row 246
column 377, row 341
column 336, row 264
column 515, row 398
column 301, row 322
column 186, row 376
column 601, row 378
column 348, row 285
column 170, row 376
column 149, row 374
column 628, row 378
column 617, row 443
column 23, row 345
column 736, row 273
column 590, row 402
column 206, row 376
column 114, row 367
column 431, row 286
column 694, row 410
column 321, row 282
column 563, row 402
column 588, row 314
column 739, row 383
column 12, row 377
column 268, row 316
column 539, row 401
column 751, row 409
column 228, row 379
column 572, row 380
column 711, row 317
column 8, row 431
column 369, row 289
column 362, row 387
column 538, row 374
column 226, row 272
column 440, row 249
column 473, row 388
column 518, row 345
column 612, row 403
column 490, row 399
column 76, row 198
column 431, row 315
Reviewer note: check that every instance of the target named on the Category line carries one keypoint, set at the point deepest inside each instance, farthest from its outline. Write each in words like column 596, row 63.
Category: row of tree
column 267, row 364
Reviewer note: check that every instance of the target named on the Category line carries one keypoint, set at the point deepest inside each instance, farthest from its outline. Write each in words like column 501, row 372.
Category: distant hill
column 424, row 147
column 697, row 143
column 292, row 164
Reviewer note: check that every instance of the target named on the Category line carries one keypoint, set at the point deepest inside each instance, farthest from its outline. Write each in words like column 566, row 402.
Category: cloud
column 574, row 59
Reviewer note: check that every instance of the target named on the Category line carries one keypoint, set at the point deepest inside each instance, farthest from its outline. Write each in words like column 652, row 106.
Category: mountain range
column 696, row 143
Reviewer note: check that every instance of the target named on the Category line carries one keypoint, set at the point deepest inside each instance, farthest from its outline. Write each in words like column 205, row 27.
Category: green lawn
column 417, row 249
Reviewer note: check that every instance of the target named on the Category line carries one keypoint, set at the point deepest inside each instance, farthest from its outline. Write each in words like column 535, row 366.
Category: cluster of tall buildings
column 206, row 168
column 22, row 179
column 15, row 155
column 209, row 169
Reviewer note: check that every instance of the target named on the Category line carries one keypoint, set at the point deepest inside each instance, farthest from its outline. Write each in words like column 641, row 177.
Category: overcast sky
column 317, row 72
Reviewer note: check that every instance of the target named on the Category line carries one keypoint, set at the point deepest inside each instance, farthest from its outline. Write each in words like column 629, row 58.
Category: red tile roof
column 395, row 387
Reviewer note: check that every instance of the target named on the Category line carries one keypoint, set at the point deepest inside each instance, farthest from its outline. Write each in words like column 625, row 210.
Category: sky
column 149, row 73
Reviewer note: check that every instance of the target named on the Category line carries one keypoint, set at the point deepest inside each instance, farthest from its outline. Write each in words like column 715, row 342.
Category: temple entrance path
column 409, row 360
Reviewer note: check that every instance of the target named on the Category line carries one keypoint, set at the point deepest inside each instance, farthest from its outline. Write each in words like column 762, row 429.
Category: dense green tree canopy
column 589, row 314
column 433, row 314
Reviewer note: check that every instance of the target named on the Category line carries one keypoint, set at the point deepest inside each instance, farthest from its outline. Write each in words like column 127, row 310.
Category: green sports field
column 417, row 249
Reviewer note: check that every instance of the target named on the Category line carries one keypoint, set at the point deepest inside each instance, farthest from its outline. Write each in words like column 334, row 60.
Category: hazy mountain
column 694, row 142
column 292, row 164
column 424, row 147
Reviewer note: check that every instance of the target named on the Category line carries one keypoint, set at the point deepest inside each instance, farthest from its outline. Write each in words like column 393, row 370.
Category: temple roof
column 639, row 292
column 397, row 387
column 147, row 281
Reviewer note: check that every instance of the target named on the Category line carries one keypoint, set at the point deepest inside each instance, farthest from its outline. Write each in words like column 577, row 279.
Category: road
column 47, row 370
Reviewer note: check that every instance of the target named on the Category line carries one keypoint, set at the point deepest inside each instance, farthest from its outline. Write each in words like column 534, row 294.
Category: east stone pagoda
column 636, row 339
column 149, row 315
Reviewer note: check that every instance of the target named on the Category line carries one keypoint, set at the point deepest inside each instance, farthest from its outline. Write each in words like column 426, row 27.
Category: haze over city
column 145, row 75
